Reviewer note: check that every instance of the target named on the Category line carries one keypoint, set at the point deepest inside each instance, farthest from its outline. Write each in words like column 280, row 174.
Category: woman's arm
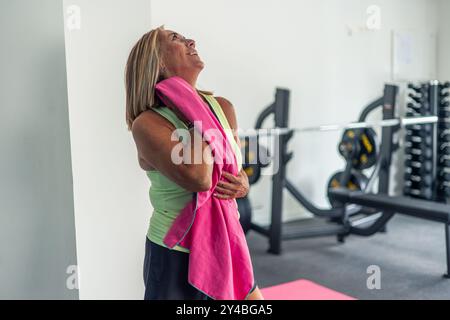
column 152, row 135
column 229, row 112
column 238, row 186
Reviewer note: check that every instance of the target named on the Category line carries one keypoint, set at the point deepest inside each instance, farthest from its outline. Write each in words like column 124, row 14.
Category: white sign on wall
column 414, row 54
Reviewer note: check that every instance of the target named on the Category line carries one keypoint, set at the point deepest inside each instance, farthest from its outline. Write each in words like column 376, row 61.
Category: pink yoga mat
column 302, row 290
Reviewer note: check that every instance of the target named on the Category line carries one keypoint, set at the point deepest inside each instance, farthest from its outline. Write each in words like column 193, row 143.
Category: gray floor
column 411, row 256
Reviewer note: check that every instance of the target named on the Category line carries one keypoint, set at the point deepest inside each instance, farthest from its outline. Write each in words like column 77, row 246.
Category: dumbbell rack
column 443, row 165
column 426, row 145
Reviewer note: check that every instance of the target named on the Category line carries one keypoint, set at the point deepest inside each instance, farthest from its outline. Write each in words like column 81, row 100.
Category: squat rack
column 379, row 207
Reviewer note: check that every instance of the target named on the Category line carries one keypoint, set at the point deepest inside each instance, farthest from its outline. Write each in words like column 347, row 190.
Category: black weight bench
column 389, row 205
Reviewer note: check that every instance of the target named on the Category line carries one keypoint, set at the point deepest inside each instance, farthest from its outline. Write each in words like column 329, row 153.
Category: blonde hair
column 142, row 73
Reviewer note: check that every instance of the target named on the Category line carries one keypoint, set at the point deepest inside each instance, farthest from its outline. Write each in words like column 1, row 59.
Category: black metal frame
column 381, row 202
column 278, row 231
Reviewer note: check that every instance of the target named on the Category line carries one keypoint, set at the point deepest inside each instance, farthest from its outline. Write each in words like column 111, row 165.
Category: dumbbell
column 444, row 148
column 416, row 172
column 444, row 162
column 425, row 192
column 416, row 147
column 420, row 130
column 411, row 114
column 444, row 176
column 414, row 107
column 445, row 104
column 443, row 125
column 445, row 85
column 427, row 153
column 418, row 139
column 425, row 166
column 425, row 180
column 423, row 88
column 444, row 135
column 444, row 113
column 418, row 109
column 417, row 99
column 422, row 113
column 411, row 107
column 444, row 185
column 445, row 191
column 413, row 157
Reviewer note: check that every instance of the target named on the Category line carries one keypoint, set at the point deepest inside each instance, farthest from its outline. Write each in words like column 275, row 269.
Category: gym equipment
column 420, row 191
column 420, row 151
column 359, row 147
column 255, row 158
column 423, row 209
column 405, row 122
column 278, row 231
column 425, row 188
column 442, row 101
column 357, row 181
column 376, row 209
column 425, row 180
column 421, row 143
column 427, row 140
column 245, row 213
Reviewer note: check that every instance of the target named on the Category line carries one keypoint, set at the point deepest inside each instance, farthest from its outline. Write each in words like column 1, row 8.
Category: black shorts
column 166, row 275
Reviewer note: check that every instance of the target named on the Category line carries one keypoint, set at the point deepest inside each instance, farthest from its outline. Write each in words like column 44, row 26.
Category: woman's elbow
column 203, row 185
column 199, row 181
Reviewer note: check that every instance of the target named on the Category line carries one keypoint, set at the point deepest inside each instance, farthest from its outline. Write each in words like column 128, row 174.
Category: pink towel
column 219, row 260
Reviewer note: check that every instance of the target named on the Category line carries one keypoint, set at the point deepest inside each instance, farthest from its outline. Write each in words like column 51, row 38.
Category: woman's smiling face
column 180, row 57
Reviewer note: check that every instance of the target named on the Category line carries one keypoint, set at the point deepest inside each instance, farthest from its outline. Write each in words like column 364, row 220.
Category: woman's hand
column 236, row 187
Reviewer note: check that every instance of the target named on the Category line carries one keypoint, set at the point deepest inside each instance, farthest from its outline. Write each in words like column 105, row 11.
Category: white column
column 110, row 190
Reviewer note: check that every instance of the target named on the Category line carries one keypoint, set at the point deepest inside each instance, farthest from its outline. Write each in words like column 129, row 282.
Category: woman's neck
column 191, row 79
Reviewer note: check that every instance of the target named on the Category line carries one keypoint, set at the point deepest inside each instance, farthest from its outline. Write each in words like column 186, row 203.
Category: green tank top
column 167, row 197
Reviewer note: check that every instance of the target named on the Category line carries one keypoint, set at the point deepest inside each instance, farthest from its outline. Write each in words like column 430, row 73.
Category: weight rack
column 427, row 171
column 421, row 143
column 437, row 211
column 443, row 165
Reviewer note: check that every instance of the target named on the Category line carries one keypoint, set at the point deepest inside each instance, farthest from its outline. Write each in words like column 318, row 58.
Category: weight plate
column 359, row 147
column 357, row 182
column 255, row 157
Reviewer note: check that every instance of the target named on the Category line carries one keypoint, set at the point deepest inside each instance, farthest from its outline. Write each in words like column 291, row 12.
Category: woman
column 158, row 55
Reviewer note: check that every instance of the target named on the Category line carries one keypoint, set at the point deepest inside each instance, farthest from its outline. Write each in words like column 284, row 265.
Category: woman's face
column 180, row 57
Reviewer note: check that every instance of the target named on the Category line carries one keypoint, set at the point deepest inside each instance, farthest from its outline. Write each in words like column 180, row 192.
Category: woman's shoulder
column 150, row 119
column 228, row 110
column 224, row 103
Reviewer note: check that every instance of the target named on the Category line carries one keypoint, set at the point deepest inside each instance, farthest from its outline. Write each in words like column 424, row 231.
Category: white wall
column 250, row 47
column 444, row 40
column 110, row 191
column 37, row 234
